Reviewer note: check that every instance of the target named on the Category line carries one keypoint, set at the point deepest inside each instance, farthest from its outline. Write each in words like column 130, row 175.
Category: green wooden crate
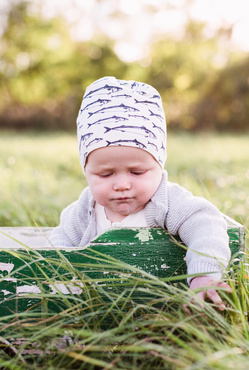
column 31, row 273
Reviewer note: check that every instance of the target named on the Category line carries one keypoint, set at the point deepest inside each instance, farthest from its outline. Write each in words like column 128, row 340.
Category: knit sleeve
column 74, row 221
column 202, row 229
column 66, row 234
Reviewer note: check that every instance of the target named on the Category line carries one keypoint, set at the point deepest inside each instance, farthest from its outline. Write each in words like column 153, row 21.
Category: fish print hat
column 117, row 112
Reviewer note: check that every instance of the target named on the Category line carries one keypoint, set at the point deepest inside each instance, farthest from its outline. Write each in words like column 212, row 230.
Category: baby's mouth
column 123, row 199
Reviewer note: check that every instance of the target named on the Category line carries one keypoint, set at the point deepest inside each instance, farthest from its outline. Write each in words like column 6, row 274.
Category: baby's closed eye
column 137, row 173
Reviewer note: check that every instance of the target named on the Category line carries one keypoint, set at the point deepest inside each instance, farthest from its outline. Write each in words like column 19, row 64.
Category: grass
column 213, row 166
column 40, row 174
column 106, row 326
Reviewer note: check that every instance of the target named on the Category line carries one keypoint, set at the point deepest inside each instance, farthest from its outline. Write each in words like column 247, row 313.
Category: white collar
column 134, row 220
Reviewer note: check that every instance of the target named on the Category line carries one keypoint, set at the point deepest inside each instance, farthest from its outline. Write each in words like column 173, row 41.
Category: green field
column 41, row 174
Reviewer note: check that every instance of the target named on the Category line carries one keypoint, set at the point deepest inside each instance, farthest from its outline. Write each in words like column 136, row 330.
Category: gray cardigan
column 199, row 224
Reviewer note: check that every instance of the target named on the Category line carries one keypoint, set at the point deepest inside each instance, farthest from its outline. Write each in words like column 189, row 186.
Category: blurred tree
column 183, row 70
column 224, row 104
column 43, row 72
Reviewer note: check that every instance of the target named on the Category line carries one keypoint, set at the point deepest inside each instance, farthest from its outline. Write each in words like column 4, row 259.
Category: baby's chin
column 126, row 211
column 118, row 215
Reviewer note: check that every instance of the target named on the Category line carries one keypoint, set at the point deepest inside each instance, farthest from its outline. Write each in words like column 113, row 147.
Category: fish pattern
column 137, row 129
column 118, row 112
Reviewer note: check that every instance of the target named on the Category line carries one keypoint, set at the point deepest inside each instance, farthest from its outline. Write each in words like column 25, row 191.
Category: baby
column 121, row 132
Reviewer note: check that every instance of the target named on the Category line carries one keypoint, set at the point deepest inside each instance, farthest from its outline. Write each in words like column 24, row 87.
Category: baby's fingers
column 213, row 295
column 195, row 303
column 215, row 298
column 227, row 288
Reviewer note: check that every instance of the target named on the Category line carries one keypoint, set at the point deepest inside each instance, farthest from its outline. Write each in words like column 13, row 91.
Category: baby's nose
column 121, row 183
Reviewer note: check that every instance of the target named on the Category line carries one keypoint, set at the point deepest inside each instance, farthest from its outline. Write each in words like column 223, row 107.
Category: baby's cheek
column 144, row 195
column 104, row 193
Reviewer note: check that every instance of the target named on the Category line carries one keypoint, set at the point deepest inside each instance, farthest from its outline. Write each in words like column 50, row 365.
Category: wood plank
column 28, row 268
column 30, row 236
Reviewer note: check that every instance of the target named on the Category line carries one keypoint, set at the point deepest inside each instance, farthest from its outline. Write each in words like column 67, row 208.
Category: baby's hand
column 207, row 281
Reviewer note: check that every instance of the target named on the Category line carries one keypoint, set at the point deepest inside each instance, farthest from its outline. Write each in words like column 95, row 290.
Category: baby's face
column 122, row 179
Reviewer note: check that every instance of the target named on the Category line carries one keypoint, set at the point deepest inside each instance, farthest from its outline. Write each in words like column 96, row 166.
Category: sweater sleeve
column 67, row 234
column 202, row 229
column 76, row 223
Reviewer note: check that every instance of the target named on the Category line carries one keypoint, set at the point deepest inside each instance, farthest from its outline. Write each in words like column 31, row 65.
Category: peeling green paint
column 154, row 251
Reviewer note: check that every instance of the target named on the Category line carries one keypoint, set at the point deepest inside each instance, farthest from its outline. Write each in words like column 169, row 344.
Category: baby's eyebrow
column 134, row 166
column 105, row 168
column 137, row 169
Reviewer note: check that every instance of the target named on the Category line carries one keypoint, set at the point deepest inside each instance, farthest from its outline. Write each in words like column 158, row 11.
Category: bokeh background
column 195, row 52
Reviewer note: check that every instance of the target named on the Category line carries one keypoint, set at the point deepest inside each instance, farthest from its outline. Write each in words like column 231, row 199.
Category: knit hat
column 117, row 112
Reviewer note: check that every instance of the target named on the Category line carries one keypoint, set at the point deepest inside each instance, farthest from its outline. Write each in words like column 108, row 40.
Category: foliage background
column 203, row 80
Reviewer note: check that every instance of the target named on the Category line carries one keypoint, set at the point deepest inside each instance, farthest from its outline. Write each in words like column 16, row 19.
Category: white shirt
column 133, row 220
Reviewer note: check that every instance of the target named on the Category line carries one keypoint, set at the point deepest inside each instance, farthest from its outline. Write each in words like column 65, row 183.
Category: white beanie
column 117, row 112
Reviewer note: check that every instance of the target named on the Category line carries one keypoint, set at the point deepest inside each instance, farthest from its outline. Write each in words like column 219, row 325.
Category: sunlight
column 217, row 13
column 135, row 24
